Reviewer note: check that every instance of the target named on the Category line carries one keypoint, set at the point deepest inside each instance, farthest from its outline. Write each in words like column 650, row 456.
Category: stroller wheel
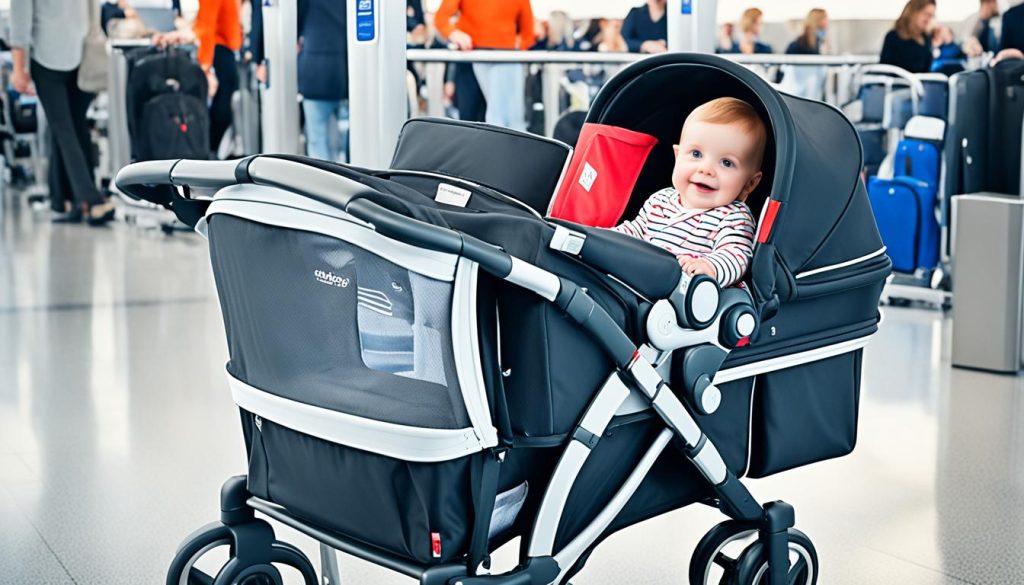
column 752, row 564
column 711, row 563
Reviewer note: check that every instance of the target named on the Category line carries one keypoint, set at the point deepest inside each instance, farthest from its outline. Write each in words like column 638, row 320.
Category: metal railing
column 555, row 65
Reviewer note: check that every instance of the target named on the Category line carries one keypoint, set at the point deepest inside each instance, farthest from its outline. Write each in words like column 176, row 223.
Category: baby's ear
column 752, row 184
column 675, row 150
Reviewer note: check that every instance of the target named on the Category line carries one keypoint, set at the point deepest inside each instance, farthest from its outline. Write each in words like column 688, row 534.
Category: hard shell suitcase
column 918, row 159
column 904, row 209
column 1006, row 113
column 967, row 134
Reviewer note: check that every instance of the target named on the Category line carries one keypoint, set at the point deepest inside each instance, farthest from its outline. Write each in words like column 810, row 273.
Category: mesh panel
column 317, row 320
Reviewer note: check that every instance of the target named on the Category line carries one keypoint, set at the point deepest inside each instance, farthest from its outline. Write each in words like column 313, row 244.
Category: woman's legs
column 504, row 88
column 61, row 99
column 226, row 68
column 321, row 128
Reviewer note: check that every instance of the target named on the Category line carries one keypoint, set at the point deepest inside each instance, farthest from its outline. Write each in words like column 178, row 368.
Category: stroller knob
column 737, row 326
column 706, row 397
column 696, row 301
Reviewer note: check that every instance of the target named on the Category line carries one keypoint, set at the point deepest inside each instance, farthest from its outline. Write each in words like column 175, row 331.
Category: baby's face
column 715, row 164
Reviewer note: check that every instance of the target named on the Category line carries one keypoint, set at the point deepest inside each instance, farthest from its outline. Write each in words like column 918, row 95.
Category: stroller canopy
column 811, row 201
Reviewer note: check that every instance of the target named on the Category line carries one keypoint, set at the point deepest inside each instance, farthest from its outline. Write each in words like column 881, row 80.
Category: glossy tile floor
column 116, row 431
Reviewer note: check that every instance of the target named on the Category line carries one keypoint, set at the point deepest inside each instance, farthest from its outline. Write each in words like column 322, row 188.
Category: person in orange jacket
column 493, row 24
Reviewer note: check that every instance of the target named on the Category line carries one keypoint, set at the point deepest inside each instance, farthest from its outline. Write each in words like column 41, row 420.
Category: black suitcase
column 1006, row 113
column 166, row 102
column 966, row 148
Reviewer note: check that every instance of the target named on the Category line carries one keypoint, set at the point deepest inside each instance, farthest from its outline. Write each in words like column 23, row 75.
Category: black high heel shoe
column 101, row 219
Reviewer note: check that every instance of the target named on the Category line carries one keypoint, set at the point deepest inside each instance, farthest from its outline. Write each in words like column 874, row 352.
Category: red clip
column 743, row 342
column 184, row 128
column 435, row 544
column 771, row 210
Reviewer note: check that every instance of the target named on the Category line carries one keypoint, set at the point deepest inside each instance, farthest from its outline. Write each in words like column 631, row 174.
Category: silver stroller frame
column 697, row 313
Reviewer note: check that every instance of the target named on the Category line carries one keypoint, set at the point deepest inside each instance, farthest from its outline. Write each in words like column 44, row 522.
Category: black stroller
column 427, row 369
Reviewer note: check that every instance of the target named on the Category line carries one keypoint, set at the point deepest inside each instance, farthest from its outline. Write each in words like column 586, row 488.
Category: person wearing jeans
column 324, row 140
column 493, row 24
column 323, row 76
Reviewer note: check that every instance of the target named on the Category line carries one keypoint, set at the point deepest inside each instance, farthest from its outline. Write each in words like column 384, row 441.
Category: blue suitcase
column 904, row 209
column 918, row 159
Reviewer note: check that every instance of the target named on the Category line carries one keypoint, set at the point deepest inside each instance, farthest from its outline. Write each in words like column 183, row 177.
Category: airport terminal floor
column 117, row 428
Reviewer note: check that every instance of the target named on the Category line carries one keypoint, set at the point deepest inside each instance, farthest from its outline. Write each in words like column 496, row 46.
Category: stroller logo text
column 331, row 279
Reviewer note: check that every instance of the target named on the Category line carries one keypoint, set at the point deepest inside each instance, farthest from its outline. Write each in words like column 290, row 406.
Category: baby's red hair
column 728, row 110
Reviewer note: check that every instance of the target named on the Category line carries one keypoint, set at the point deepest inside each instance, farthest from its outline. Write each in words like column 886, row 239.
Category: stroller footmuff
column 426, row 368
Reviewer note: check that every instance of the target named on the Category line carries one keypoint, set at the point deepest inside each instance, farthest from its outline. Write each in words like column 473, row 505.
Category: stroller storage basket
column 805, row 414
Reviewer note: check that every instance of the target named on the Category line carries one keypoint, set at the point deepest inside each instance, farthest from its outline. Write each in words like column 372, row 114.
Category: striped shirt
column 724, row 236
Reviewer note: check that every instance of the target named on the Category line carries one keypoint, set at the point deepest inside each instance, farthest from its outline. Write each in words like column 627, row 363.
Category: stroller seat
column 427, row 368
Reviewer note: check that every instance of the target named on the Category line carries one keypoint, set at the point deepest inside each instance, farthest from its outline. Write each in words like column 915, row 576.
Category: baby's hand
column 693, row 266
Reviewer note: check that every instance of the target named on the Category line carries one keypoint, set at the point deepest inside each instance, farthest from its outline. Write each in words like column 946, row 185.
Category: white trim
column 789, row 361
column 533, row 278
column 249, row 202
column 466, row 352
column 567, row 557
column 841, row 264
column 392, row 440
column 609, row 399
column 561, row 178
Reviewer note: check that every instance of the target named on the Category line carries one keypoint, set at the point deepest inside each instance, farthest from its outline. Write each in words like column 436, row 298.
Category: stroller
column 427, row 369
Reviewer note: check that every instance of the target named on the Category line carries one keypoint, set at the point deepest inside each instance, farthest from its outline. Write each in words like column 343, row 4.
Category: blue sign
column 366, row 26
column 688, row 6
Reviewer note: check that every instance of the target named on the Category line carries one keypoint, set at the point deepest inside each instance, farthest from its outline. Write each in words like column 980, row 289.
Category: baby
column 702, row 219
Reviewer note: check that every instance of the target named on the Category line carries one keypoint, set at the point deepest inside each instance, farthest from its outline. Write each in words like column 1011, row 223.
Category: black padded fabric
column 805, row 414
column 516, row 163
column 650, row 270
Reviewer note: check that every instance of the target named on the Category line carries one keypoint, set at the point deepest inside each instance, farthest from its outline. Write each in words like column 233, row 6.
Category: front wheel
column 752, row 564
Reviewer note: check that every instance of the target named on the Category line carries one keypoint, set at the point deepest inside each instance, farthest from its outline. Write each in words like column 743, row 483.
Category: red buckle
column 769, row 220
column 743, row 342
column 435, row 544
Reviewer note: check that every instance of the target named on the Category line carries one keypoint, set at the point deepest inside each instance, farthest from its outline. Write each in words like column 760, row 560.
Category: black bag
column 166, row 102
column 174, row 125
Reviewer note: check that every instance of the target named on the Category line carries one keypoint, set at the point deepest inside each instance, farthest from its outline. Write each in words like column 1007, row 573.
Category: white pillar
column 376, row 72
column 280, row 105
column 692, row 25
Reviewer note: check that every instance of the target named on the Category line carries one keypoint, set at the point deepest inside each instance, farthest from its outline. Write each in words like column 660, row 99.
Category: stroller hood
column 812, row 202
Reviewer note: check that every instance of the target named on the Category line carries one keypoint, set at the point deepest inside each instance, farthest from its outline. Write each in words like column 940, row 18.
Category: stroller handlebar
column 154, row 181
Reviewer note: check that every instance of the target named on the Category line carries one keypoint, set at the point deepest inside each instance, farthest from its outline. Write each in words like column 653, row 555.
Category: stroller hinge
column 586, row 437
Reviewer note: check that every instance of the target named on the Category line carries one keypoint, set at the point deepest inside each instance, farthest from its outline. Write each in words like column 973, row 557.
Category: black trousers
column 71, row 176
column 226, row 67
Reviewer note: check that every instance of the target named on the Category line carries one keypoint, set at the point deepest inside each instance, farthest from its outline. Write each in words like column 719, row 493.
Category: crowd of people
column 225, row 31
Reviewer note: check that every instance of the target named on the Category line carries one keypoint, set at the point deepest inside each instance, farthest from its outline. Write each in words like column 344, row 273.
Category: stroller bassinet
column 426, row 368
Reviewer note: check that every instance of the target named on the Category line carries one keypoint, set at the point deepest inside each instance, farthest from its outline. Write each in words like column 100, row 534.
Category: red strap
column 769, row 220
column 435, row 544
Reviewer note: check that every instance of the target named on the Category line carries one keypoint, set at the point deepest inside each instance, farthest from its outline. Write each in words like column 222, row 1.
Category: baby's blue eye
column 727, row 163
column 695, row 153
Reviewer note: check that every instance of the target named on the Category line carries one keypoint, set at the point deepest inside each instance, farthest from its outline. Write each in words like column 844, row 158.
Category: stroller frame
column 638, row 383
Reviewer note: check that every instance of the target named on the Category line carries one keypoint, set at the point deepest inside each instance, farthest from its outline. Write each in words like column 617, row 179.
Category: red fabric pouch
column 601, row 175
